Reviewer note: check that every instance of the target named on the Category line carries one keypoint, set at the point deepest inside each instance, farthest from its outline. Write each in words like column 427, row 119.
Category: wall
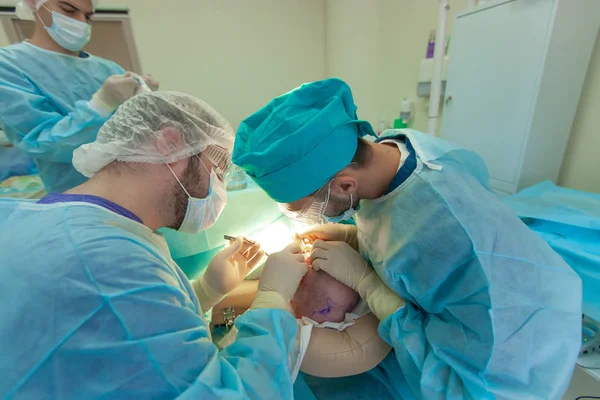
column 581, row 166
column 234, row 54
column 353, row 51
column 377, row 47
column 3, row 39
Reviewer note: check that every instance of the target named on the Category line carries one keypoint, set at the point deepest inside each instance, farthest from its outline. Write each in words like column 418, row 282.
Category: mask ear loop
column 178, row 181
column 327, row 198
column 37, row 14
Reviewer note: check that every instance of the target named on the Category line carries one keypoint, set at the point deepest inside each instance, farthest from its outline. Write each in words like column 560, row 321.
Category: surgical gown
column 569, row 220
column 492, row 312
column 93, row 307
column 44, row 107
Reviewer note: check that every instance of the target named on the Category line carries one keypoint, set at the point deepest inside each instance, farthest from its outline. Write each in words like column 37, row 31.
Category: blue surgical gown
column 492, row 312
column 44, row 107
column 569, row 220
column 94, row 307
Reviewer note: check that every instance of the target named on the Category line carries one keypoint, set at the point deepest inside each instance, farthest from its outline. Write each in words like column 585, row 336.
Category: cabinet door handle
column 448, row 99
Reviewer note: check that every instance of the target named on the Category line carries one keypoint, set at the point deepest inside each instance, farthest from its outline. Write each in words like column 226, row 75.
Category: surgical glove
column 382, row 300
column 226, row 271
column 280, row 278
column 151, row 82
column 332, row 233
column 116, row 90
column 343, row 263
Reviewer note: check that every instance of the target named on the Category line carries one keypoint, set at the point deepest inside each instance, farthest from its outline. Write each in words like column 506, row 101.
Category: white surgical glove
column 151, row 82
column 116, row 90
column 332, row 233
column 344, row 263
column 280, row 278
column 226, row 271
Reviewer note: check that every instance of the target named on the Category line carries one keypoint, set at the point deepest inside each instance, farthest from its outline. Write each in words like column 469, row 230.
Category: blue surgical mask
column 201, row 214
column 69, row 33
column 346, row 215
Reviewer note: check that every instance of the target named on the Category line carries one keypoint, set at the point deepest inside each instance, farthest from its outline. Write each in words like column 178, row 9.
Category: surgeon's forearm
column 352, row 237
column 382, row 300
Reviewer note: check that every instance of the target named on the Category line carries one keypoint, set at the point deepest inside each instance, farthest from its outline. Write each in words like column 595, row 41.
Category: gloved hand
column 344, row 263
column 116, row 90
column 332, row 233
column 280, row 278
column 151, row 82
column 226, row 271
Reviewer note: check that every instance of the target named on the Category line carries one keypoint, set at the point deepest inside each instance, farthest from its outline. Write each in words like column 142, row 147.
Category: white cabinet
column 516, row 73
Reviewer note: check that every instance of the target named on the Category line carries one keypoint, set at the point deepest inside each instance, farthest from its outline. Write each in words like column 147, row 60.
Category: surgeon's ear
column 168, row 141
column 344, row 185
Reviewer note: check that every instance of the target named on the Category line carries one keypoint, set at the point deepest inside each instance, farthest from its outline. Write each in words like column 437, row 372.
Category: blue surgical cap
column 299, row 141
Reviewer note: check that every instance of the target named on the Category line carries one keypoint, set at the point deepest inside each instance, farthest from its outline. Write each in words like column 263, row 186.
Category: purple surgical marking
column 327, row 310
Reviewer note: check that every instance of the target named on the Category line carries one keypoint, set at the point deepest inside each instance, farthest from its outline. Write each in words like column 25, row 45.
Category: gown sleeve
column 166, row 343
column 34, row 126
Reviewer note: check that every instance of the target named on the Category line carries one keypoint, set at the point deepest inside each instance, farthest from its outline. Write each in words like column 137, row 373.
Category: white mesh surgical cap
column 155, row 128
column 26, row 8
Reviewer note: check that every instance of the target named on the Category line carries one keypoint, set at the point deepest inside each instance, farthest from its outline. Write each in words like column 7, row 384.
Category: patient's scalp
column 322, row 298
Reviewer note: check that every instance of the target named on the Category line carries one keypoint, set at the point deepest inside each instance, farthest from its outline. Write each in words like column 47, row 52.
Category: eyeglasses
column 221, row 159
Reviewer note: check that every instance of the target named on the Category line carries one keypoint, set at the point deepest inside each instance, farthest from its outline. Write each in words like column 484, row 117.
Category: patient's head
column 322, row 298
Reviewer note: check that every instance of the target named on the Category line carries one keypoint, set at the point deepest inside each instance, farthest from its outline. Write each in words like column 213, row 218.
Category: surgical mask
column 201, row 214
column 346, row 215
column 69, row 33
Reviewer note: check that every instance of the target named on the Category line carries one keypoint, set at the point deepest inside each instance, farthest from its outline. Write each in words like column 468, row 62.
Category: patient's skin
column 322, row 298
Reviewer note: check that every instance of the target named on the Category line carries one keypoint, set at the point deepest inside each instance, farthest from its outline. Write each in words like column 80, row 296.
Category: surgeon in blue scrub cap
column 473, row 302
column 93, row 306
column 54, row 97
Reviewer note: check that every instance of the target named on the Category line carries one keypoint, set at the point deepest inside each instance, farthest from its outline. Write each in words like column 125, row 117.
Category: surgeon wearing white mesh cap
column 54, row 96
column 107, row 312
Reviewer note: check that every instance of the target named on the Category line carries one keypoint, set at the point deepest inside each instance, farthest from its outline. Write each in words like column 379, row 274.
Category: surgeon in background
column 55, row 97
column 474, row 304
column 94, row 307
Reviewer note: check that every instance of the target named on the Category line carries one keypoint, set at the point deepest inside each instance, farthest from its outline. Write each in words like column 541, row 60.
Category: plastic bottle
column 382, row 127
column 406, row 110
column 431, row 44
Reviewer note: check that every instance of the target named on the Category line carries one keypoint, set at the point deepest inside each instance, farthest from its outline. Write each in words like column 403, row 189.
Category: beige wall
column 581, row 166
column 3, row 39
column 234, row 54
column 353, row 50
